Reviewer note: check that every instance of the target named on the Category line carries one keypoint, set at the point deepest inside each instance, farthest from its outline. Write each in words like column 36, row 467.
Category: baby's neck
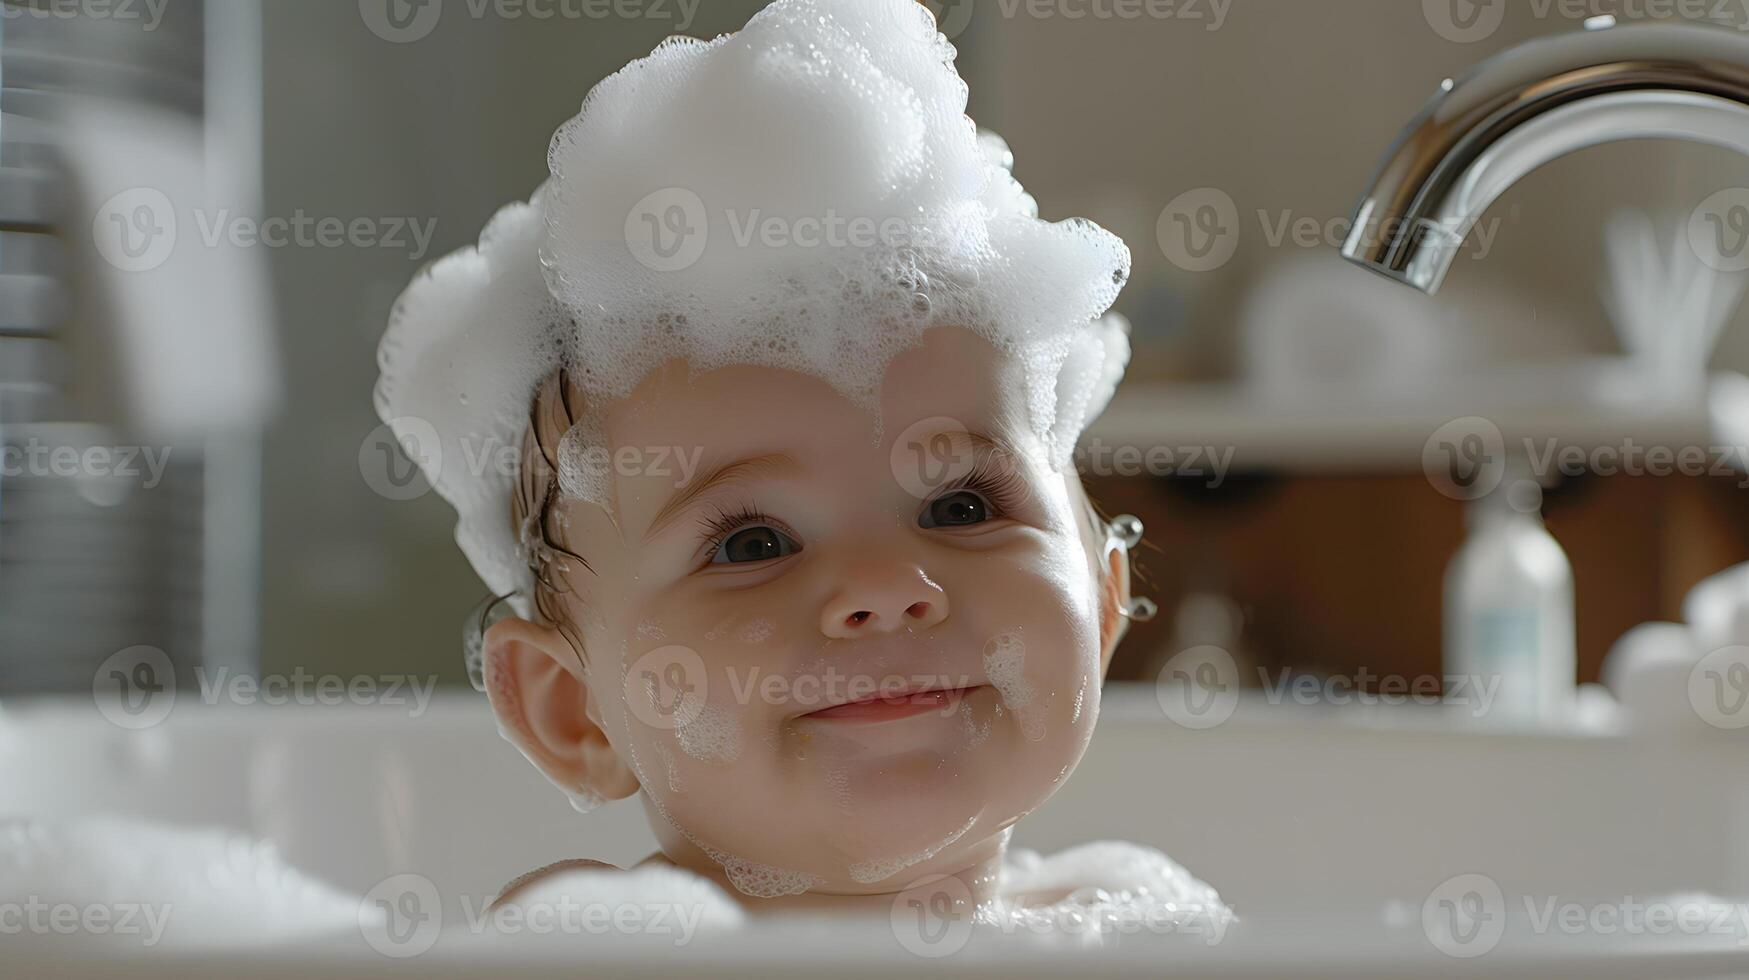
column 978, row 869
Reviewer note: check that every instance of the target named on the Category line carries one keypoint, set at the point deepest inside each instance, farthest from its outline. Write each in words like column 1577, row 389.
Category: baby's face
column 841, row 653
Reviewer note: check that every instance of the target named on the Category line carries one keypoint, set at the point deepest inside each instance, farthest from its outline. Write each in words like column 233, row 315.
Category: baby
column 789, row 373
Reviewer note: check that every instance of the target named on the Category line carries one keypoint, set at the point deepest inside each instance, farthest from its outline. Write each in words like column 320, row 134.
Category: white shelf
column 1329, row 429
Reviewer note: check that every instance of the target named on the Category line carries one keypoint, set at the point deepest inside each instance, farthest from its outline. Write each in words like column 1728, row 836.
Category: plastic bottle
column 1509, row 606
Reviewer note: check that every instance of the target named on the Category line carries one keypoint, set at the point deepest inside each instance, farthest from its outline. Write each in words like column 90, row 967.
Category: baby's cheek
column 1044, row 657
column 689, row 696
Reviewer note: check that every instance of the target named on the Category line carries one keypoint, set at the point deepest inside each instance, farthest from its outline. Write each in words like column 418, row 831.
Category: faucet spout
column 1532, row 104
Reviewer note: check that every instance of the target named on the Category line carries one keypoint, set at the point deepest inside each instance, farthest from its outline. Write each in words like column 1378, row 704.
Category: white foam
column 758, row 880
column 756, row 631
column 1100, row 885
column 869, row 872
column 711, row 734
column 1004, row 664
column 838, row 784
column 751, row 878
column 675, row 783
column 975, row 733
column 181, row 887
column 463, row 343
column 825, row 111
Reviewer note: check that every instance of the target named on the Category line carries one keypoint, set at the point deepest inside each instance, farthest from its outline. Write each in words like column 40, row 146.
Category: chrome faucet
column 1529, row 105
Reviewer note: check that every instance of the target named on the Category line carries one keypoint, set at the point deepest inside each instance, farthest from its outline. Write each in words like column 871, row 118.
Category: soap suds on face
column 838, row 784
column 711, row 734
column 750, row 878
column 1004, row 663
column 666, row 758
column 669, row 229
column 760, row 880
column 756, row 631
column 869, row 872
column 975, row 733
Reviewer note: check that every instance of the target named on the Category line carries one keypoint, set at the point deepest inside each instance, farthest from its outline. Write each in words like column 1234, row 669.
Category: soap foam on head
column 819, row 111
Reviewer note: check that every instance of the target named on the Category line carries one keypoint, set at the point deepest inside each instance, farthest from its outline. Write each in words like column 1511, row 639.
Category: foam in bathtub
column 164, row 886
column 1092, row 887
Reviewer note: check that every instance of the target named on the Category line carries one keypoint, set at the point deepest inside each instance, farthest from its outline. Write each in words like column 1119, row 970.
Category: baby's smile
column 912, row 700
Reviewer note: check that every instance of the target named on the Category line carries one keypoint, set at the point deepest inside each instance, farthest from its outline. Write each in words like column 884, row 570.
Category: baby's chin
column 861, row 814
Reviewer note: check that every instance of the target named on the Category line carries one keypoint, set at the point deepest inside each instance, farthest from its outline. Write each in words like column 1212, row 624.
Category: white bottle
column 1509, row 608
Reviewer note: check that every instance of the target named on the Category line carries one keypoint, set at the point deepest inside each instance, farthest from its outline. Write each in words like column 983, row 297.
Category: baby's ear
column 1114, row 601
column 540, row 693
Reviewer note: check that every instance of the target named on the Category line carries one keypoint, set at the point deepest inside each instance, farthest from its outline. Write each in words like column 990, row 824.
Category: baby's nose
column 883, row 602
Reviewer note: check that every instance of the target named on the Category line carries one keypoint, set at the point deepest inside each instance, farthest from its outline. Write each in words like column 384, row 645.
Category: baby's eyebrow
column 992, row 445
column 742, row 469
column 989, row 446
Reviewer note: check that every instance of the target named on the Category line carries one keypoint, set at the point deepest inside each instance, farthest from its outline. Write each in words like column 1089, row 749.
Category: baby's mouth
column 889, row 708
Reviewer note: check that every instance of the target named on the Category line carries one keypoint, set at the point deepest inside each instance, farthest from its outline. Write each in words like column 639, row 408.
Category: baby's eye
column 957, row 509
column 759, row 543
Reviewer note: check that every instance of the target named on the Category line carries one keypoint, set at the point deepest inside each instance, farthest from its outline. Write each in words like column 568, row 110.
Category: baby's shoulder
column 584, row 882
column 523, row 884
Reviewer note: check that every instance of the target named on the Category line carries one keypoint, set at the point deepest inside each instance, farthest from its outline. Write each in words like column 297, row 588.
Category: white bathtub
column 1330, row 830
